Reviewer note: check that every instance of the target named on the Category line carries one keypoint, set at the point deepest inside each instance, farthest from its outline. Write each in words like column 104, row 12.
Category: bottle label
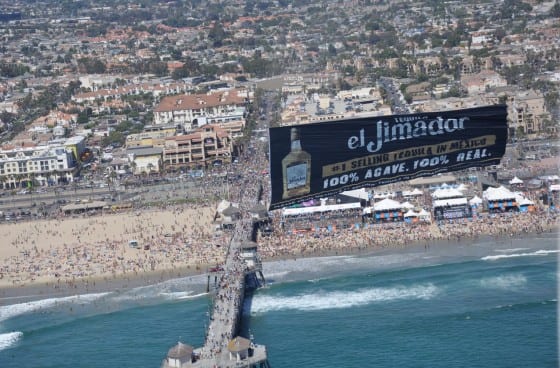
column 296, row 175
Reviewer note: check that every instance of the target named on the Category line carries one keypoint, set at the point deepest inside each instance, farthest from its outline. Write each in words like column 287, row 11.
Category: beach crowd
column 182, row 237
column 66, row 251
column 351, row 238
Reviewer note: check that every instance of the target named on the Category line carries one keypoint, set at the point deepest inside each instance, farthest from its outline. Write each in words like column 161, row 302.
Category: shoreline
column 10, row 295
column 98, row 284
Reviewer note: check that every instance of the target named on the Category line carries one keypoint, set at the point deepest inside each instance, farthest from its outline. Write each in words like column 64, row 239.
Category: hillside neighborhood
column 93, row 91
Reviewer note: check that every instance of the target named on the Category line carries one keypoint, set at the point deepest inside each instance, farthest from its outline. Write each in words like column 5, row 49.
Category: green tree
column 12, row 70
column 551, row 100
column 555, row 10
column 217, row 34
column 91, row 66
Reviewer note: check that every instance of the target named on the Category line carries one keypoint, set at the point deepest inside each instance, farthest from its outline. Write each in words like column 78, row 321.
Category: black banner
column 322, row 159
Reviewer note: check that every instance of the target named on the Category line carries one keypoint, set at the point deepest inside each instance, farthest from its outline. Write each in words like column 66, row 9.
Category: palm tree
column 112, row 176
column 3, row 180
column 18, row 179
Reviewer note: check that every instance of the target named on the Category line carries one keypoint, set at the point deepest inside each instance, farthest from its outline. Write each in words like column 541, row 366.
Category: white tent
column 475, row 201
column 446, row 193
column 387, row 204
column 313, row 209
column 357, row 193
column 555, row 188
column 524, row 202
column 498, row 194
column 462, row 187
column 410, row 213
column 424, row 215
column 550, row 177
column 407, row 205
column 413, row 193
column 379, row 195
column 449, row 202
column 516, row 180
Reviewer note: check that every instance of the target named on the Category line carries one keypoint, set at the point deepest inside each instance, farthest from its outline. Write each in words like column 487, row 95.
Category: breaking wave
column 13, row 310
column 339, row 300
column 504, row 282
column 9, row 339
column 540, row 252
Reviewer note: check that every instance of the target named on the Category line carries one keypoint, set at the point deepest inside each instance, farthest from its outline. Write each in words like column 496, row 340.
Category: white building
column 193, row 111
column 42, row 165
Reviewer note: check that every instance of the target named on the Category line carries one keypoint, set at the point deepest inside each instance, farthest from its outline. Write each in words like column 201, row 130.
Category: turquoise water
column 485, row 304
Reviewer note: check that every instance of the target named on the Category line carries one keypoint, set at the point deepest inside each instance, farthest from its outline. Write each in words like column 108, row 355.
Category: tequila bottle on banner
column 296, row 169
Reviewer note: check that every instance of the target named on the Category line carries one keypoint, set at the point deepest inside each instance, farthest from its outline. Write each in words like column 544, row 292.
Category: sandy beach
column 76, row 251
column 78, row 255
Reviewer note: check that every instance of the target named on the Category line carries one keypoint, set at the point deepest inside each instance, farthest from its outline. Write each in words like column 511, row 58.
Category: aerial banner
column 322, row 159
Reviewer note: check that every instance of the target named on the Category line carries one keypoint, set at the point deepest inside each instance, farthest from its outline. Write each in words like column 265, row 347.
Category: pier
column 241, row 272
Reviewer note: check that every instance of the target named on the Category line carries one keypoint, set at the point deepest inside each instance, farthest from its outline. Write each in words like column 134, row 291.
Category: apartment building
column 150, row 137
column 40, row 165
column 527, row 112
column 203, row 146
column 483, row 81
column 223, row 108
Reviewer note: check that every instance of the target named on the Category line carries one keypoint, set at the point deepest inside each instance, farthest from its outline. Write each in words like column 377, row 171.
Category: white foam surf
column 9, row 339
column 13, row 310
column 275, row 275
column 540, row 252
column 180, row 295
column 504, row 282
column 340, row 299
column 510, row 250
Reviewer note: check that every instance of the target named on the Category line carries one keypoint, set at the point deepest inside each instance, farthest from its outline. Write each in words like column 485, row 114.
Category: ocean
column 484, row 303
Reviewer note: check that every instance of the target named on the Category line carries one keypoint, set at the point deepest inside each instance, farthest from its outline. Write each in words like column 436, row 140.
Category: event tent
column 410, row 213
column 475, row 201
column 413, row 193
column 384, row 195
column 386, row 205
column 498, row 194
column 424, row 215
column 449, row 202
column 516, row 180
column 446, row 193
column 313, row 209
column 525, row 205
column 407, row 205
column 361, row 194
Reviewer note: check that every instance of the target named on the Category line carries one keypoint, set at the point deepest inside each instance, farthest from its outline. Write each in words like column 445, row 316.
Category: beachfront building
column 145, row 160
column 527, row 113
column 30, row 165
column 206, row 146
column 225, row 109
column 152, row 136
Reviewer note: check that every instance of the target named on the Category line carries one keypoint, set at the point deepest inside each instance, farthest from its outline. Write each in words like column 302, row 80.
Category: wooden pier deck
column 223, row 348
